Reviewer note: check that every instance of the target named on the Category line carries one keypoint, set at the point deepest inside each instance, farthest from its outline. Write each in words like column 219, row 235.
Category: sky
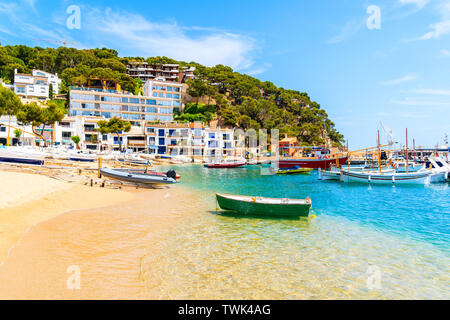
column 364, row 62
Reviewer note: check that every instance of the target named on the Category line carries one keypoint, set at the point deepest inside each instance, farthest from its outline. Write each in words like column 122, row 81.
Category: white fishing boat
column 438, row 172
column 412, row 167
column 421, row 177
column 440, row 169
column 333, row 173
column 18, row 156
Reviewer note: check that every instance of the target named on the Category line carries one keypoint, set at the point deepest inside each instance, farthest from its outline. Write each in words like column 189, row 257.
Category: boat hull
column 376, row 178
column 295, row 171
column 224, row 165
column 329, row 175
column 36, row 162
column 136, row 177
column 263, row 209
column 310, row 163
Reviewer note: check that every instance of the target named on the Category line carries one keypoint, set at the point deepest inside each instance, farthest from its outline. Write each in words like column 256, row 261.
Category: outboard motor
column 172, row 174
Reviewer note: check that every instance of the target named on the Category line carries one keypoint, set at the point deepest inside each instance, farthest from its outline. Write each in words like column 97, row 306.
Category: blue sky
column 398, row 74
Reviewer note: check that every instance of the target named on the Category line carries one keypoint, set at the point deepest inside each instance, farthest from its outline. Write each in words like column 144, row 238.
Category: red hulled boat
column 313, row 163
column 225, row 165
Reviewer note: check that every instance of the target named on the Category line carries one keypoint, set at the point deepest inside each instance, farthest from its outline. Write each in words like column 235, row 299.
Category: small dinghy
column 169, row 178
column 270, row 207
column 151, row 173
column 295, row 170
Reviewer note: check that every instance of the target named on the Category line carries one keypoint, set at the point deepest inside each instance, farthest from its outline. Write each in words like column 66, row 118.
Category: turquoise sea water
column 402, row 231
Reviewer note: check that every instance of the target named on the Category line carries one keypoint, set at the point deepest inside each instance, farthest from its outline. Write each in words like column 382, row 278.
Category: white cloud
column 408, row 101
column 434, row 92
column 258, row 70
column 347, row 31
column 445, row 52
column 438, row 29
column 132, row 34
column 405, row 78
column 441, row 27
column 418, row 3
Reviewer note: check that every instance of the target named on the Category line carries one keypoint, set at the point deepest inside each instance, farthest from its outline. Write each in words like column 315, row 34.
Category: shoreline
column 26, row 200
column 46, row 235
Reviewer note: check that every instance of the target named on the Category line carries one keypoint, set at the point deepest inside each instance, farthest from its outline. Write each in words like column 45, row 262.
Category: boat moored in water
column 269, row 207
column 225, row 165
column 295, row 170
column 312, row 163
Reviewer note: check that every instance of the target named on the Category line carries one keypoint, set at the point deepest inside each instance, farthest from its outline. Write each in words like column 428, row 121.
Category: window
column 134, row 100
column 2, row 129
column 125, row 100
column 161, row 132
column 165, row 118
column 151, row 102
column 165, row 111
column 134, row 116
column 87, row 97
column 21, row 89
column 66, row 135
column 112, row 99
column 111, row 107
column 150, row 110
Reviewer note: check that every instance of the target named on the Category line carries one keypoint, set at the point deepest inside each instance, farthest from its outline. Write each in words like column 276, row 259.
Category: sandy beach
column 104, row 232
column 29, row 199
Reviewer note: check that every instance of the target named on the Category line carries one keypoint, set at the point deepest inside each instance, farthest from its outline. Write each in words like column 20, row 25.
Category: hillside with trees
column 231, row 98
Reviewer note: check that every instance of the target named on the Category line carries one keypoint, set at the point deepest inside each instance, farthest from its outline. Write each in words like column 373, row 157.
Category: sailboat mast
column 414, row 146
column 348, row 158
column 407, row 152
column 379, row 152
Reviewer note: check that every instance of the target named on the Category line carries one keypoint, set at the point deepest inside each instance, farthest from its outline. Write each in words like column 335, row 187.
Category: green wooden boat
column 270, row 207
column 295, row 171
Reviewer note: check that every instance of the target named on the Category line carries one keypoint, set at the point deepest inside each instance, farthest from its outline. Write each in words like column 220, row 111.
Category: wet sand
column 106, row 245
column 29, row 199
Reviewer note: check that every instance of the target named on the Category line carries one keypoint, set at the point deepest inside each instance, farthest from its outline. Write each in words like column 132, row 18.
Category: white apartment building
column 8, row 128
column 35, row 85
column 178, row 139
column 168, row 93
